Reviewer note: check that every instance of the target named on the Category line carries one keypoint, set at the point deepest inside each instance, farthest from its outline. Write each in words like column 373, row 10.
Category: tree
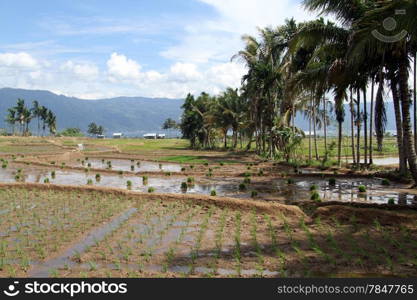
column 92, row 128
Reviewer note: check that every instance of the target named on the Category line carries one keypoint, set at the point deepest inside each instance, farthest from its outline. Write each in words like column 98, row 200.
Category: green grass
column 184, row 159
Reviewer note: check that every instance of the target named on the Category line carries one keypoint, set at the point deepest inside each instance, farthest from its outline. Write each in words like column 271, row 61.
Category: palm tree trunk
column 352, row 127
column 365, row 125
column 358, row 124
column 405, row 105
column 371, row 124
column 315, row 132
column 339, row 148
column 415, row 101
column 309, row 132
column 325, row 128
column 399, row 125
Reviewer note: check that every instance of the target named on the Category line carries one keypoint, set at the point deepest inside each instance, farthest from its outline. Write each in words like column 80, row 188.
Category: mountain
column 130, row 115
column 133, row 116
column 303, row 122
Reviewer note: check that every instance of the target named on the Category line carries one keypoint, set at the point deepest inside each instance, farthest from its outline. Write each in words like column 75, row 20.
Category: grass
column 185, row 159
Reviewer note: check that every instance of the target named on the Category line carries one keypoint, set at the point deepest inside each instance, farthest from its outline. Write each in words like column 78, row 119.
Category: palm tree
column 36, row 112
column 51, row 121
column 11, row 118
column 44, row 118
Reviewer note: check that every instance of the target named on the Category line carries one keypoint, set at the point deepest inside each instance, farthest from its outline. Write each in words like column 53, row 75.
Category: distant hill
column 130, row 115
column 133, row 116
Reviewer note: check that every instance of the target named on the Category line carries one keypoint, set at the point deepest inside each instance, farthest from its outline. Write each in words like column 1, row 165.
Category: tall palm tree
column 36, row 112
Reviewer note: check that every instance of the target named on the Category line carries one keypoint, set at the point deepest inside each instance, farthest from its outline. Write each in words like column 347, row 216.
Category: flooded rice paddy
column 126, row 165
column 272, row 189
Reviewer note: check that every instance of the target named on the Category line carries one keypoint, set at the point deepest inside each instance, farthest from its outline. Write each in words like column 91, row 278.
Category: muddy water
column 126, row 165
column 345, row 190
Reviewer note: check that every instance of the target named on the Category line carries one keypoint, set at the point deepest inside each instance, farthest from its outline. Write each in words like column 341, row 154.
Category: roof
column 117, row 133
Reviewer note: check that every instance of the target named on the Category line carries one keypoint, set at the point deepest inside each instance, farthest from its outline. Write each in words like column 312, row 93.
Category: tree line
column 21, row 115
column 313, row 68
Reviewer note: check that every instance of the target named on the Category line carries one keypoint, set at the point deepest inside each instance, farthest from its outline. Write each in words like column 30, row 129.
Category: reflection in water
column 126, row 165
column 345, row 190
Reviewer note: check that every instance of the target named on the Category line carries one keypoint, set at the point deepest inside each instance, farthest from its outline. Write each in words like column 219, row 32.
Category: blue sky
column 160, row 48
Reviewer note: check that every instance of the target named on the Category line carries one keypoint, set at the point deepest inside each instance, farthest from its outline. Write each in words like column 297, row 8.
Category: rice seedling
column 191, row 167
column 145, row 180
column 261, row 172
column 132, row 168
column 120, row 172
column 213, row 193
column 254, row 194
column 362, row 189
column 315, row 196
column 221, row 164
column 151, row 190
column 98, row 177
column 332, row 181
column 129, row 184
column 46, row 180
column 247, row 180
column 290, row 181
column 53, row 174
column 242, row 187
column 184, row 186
column 183, row 169
column 391, row 201
column 385, row 182
column 313, row 187
column 90, row 181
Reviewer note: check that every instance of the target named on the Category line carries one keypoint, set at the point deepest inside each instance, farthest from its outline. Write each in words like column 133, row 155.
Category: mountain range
column 129, row 115
column 133, row 116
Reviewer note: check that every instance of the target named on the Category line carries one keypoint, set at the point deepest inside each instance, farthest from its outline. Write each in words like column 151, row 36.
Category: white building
column 150, row 136
column 117, row 135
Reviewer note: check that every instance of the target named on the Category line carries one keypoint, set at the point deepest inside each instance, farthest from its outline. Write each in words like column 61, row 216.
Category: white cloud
column 185, row 72
column 86, row 71
column 18, row 60
column 120, row 67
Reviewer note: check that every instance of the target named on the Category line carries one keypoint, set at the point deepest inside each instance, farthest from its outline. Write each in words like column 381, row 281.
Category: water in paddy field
column 126, row 165
column 345, row 189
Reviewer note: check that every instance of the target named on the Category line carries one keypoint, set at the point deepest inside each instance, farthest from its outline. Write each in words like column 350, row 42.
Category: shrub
column 213, row 193
column 362, row 189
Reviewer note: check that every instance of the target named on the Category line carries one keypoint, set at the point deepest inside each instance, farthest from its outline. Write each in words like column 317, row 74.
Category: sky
column 95, row 49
